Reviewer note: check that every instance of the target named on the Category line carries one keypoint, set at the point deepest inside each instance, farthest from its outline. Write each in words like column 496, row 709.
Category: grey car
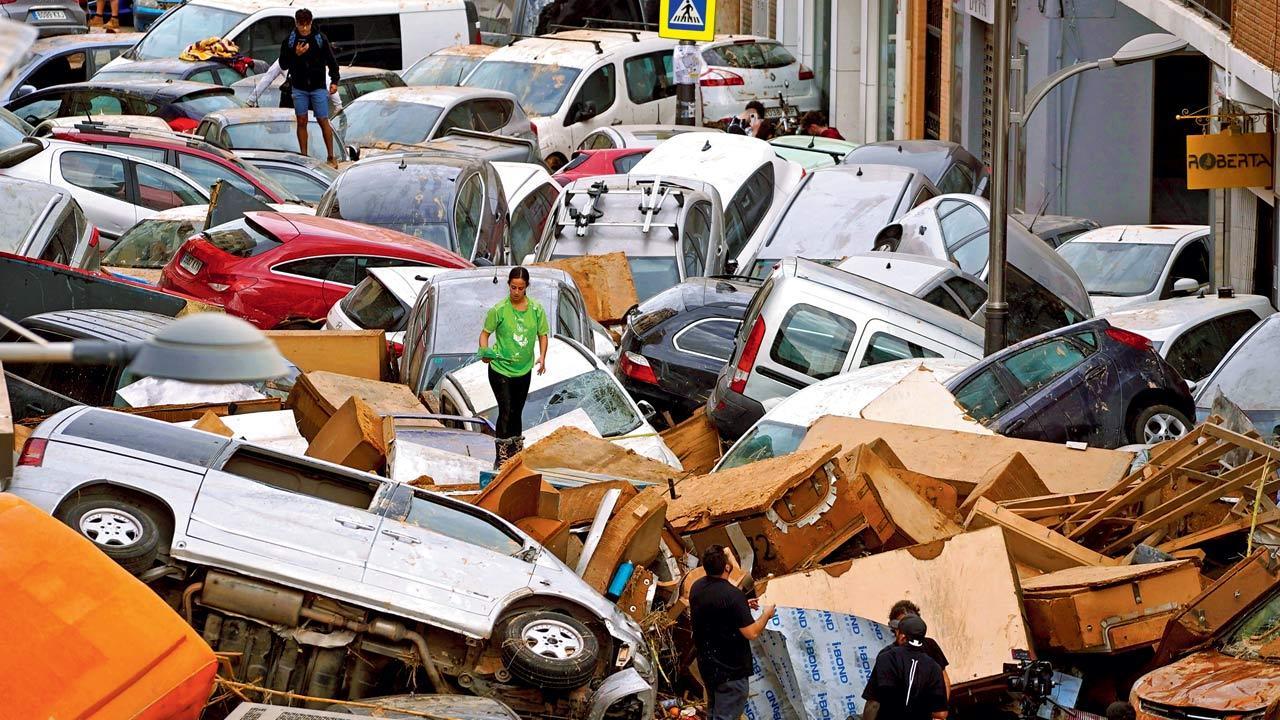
column 409, row 116
column 262, row 128
column 335, row 572
column 670, row 228
column 211, row 72
column 48, row 17
column 43, row 221
column 302, row 175
column 66, row 59
column 442, row 328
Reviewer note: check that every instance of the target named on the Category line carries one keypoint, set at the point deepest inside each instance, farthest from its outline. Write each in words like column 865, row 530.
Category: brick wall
column 1255, row 29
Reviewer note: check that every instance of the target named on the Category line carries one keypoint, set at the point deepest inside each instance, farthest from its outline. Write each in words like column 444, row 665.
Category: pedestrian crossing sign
column 687, row 19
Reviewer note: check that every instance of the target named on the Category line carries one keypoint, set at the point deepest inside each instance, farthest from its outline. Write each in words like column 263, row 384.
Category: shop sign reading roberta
column 1229, row 161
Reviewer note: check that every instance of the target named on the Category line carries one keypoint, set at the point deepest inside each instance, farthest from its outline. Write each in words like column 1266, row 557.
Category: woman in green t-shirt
column 513, row 323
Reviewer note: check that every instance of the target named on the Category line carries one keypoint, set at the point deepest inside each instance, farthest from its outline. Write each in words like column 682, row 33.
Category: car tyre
column 1157, row 423
column 125, row 530
column 549, row 650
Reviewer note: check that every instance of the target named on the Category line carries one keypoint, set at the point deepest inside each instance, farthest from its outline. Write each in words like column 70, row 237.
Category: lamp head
column 209, row 348
column 1148, row 47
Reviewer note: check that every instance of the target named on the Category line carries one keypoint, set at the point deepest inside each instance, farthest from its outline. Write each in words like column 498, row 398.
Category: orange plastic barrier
column 81, row 638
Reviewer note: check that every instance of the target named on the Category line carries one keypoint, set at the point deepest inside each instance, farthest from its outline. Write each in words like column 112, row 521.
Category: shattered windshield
column 1258, row 637
column 596, row 393
column 539, row 88
column 766, row 440
column 149, row 244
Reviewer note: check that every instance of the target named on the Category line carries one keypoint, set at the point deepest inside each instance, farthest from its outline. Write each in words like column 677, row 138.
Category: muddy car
column 1233, row 673
column 334, row 583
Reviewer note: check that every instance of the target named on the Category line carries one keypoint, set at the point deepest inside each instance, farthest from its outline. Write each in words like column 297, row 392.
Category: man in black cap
column 722, row 629
column 903, row 608
column 906, row 684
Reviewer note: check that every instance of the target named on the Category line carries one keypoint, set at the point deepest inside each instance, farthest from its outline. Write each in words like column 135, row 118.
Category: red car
column 202, row 162
column 590, row 163
column 286, row 271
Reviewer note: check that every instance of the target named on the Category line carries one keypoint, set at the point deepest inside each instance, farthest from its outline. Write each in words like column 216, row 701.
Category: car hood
column 1212, row 681
column 1107, row 303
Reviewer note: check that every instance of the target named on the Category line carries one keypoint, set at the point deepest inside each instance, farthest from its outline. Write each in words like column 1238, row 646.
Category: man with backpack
column 305, row 55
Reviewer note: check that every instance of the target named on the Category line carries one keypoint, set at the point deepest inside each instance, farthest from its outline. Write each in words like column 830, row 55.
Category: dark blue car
column 1089, row 382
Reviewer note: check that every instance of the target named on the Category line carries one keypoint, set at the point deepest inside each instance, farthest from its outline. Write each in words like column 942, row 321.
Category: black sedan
column 179, row 103
column 210, row 72
column 48, row 17
column 1089, row 382
column 678, row 340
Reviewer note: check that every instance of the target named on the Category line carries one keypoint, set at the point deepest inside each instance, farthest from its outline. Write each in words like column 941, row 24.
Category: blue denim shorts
column 317, row 101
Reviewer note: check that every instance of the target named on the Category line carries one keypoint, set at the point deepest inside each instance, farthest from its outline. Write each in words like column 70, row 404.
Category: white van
column 570, row 83
column 391, row 34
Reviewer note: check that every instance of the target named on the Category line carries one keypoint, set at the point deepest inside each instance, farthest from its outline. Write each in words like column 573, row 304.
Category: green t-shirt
column 514, row 333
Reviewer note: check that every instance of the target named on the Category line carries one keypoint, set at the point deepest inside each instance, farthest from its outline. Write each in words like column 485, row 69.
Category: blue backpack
column 317, row 36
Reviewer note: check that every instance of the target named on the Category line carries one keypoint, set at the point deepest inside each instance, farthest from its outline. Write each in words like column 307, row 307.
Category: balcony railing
column 1217, row 11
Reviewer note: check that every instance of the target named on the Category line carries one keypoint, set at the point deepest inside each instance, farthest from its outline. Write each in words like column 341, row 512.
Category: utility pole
column 997, row 312
column 686, row 87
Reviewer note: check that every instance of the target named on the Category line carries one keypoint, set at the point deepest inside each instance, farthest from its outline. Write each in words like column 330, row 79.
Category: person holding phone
column 306, row 55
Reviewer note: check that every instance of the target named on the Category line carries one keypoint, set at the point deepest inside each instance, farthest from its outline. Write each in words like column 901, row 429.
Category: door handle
column 618, row 121
column 353, row 523
column 402, row 537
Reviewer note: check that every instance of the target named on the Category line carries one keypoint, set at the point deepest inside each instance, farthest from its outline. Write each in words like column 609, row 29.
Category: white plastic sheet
column 813, row 665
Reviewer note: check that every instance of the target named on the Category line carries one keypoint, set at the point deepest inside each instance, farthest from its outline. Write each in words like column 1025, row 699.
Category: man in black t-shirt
column 906, row 684
column 903, row 608
column 722, row 629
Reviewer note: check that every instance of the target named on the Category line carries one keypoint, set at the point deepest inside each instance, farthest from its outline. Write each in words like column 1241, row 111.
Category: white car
column 531, row 196
column 114, row 190
column 781, row 429
column 742, row 68
column 575, row 81
column 1193, row 333
column 1125, row 265
column 752, row 180
column 636, row 136
column 414, row 115
column 446, row 66
column 381, row 301
column 1247, row 377
column 576, row 390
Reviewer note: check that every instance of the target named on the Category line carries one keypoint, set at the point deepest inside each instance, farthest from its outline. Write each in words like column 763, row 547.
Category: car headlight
column 153, row 4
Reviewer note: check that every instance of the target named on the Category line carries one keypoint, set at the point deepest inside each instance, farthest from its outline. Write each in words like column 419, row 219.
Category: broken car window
column 983, row 397
column 596, row 393
column 766, row 440
column 1258, row 636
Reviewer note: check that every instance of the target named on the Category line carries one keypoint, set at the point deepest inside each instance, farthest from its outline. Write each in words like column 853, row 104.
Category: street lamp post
column 201, row 348
column 1009, row 125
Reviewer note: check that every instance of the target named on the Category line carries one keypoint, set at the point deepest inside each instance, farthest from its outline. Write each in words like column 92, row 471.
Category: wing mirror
column 23, row 90
column 1192, row 385
column 353, row 153
column 647, row 409
column 731, row 266
column 1185, row 286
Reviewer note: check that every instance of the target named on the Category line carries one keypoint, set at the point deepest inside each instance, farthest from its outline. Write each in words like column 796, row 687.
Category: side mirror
column 731, row 266
column 528, row 259
column 1185, row 286
column 482, row 261
column 983, row 184
column 647, row 409
column 353, row 153
column 23, row 90
column 1191, row 385
column 889, row 237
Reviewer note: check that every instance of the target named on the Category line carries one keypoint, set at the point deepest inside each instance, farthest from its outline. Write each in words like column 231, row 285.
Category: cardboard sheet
column 919, row 399
column 159, row 391
column 965, row 458
column 359, row 353
column 274, row 429
column 965, row 587
column 608, row 289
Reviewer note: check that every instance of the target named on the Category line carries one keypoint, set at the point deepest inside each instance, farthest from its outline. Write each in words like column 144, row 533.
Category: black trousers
column 511, row 392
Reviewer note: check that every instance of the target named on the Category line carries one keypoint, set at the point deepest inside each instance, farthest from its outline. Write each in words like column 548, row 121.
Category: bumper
column 732, row 413
column 620, row 686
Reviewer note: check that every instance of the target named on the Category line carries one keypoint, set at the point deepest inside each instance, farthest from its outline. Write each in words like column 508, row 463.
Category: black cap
column 914, row 628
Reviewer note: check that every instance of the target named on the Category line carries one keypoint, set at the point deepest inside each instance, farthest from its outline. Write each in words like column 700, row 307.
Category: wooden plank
column 742, row 491
column 358, row 353
column 1207, row 495
column 695, row 442
column 1050, row 501
column 1218, row 531
column 1243, row 441
column 1030, row 543
column 1182, row 446
column 962, row 583
column 1196, row 491
column 1010, row 480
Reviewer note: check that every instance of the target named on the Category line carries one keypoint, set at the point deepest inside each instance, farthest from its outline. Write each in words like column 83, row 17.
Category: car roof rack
column 599, row 50
column 634, row 33
column 605, row 24
column 653, row 194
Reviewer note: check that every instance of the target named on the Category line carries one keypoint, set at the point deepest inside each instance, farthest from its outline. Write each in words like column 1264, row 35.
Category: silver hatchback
column 340, row 573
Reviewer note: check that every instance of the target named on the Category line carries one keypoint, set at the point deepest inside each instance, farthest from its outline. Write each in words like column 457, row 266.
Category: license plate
column 50, row 14
column 191, row 264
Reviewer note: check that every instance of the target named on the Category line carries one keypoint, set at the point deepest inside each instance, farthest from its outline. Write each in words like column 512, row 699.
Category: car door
column 1196, row 352
column 650, row 82
column 468, row 210
column 1192, row 261
column 100, row 183
column 883, row 342
column 157, row 188
column 811, row 343
column 306, row 279
column 281, row 514
column 445, row 560
column 1066, row 384
column 596, row 104
column 39, row 106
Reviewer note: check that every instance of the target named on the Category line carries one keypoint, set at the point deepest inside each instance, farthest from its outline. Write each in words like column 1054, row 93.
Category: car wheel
column 1158, row 423
column 550, row 650
column 122, row 528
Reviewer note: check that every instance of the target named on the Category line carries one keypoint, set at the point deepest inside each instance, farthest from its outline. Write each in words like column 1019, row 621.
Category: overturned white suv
column 335, row 583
